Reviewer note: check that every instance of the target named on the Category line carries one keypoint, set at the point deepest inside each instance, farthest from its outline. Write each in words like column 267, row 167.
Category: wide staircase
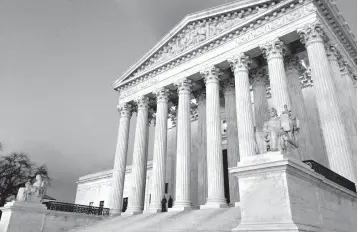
column 218, row 220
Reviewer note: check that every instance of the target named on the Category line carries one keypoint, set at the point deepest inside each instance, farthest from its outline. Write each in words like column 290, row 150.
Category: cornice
column 329, row 11
column 269, row 20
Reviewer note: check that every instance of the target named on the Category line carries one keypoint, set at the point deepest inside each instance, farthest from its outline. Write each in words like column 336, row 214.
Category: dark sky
column 58, row 59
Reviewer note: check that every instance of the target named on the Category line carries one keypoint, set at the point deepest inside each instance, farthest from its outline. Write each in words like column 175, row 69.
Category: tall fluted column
column 231, row 136
column 120, row 159
column 293, row 72
column 202, row 168
column 182, row 189
column 310, row 103
column 245, row 124
column 139, row 162
column 216, row 195
column 343, row 99
column 335, row 136
column 348, row 85
column 259, row 82
column 159, row 151
column 273, row 51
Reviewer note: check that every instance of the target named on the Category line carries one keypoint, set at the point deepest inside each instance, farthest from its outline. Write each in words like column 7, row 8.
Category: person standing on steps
column 164, row 204
column 170, row 202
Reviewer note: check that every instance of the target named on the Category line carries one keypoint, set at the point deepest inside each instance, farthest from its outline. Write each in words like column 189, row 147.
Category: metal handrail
column 75, row 208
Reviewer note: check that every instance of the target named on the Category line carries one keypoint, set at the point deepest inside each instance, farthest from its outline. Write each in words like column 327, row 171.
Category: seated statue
column 278, row 133
column 32, row 193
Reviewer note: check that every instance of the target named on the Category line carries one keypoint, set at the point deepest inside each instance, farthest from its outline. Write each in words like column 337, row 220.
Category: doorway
column 226, row 176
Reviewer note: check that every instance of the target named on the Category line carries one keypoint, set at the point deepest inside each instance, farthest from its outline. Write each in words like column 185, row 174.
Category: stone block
column 22, row 217
column 280, row 193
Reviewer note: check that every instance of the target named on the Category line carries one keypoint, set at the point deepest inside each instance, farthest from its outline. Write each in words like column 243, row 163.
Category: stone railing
column 330, row 175
column 74, row 208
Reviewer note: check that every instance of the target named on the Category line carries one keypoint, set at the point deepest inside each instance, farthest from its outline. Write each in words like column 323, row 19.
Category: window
column 101, row 204
column 150, row 198
column 166, row 188
column 91, row 203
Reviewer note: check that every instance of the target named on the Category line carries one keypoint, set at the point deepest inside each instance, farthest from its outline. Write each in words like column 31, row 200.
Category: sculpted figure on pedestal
column 32, row 193
column 278, row 133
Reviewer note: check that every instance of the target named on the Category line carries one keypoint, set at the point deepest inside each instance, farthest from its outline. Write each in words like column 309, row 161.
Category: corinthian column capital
column 273, row 49
column 259, row 76
column 125, row 110
column 228, row 85
column 162, row 94
column 142, row 103
column 332, row 51
column 211, row 74
column 293, row 62
column 240, row 62
column 312, row 33
column 184, row 85
column 345, row 67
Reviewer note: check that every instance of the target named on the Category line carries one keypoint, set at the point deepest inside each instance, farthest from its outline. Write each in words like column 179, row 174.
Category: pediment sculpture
column 279, row 133
column 32, row 192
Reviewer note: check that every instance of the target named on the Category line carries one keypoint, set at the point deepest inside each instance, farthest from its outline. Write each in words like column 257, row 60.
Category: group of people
column 164, row 203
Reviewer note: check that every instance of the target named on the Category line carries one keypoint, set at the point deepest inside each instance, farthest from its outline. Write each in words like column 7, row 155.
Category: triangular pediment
column 194, row 30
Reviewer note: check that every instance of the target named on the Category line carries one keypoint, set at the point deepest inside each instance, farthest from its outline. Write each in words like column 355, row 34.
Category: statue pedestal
column 281, row 194
column 22, row 217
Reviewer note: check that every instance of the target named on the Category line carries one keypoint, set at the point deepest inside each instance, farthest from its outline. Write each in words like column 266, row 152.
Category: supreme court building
column 206, row 88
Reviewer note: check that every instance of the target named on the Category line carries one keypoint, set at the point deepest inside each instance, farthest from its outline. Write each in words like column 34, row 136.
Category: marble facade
column 298, row 53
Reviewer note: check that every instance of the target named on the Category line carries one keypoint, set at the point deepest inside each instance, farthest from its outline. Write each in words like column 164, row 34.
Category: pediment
column 194, row 30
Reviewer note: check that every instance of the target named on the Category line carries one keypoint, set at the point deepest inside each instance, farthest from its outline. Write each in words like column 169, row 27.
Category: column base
column 214, row 206
column 130, row 212
column 152, row 211
column 115, row 212
column 180, row 209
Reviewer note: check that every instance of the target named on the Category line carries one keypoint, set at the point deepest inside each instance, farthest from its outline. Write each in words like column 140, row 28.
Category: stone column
column 343, row 100
column 348, row 85
column 293, row 72
column 216, row 195
column 182, row 189
column 120, row 159
column 314, row 123
column 159, row 151
column 202, row 169
column 245, row 124
column 171, row 149
column 273, row 51
column 139, row 162
column 231, row 136
column 335, row 136
column 259, row 82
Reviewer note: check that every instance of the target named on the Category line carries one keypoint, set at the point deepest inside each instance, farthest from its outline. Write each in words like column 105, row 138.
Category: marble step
column 218, row 220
